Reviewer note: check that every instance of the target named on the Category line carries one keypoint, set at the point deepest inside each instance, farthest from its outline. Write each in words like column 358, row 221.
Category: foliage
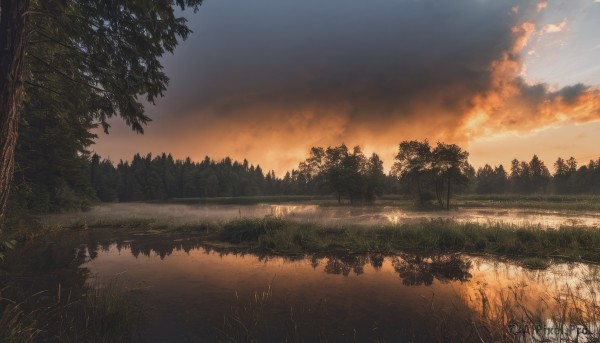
column 430, row 170
column 346, row 174
column 85, row 62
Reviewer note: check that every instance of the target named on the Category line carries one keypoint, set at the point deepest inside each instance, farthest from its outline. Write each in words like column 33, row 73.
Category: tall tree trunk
column 13, row 39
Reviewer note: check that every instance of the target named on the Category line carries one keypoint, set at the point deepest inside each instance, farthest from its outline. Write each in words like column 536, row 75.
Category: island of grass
column 534, row 245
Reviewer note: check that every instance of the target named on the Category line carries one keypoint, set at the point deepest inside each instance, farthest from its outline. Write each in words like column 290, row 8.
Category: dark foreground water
column 192, row 292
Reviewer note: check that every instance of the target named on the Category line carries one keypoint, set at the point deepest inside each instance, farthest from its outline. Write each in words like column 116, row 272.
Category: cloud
column 266, row 81
column 553, row 28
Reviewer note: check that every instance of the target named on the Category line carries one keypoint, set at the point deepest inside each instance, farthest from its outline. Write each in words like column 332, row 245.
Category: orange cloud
column 541, row 5
column 554, row 28
column 405, row 75
column 512, row 104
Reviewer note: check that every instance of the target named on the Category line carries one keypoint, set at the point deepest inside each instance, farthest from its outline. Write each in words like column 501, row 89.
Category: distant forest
column 53, row 180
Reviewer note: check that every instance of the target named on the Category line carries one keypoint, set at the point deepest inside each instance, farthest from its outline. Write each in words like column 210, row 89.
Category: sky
column 266, row 80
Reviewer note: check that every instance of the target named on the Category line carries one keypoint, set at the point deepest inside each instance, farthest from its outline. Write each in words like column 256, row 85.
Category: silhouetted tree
column 491, row 181
column 108, row 49
column 414, row 166
column 449, row 165
column 425, row 169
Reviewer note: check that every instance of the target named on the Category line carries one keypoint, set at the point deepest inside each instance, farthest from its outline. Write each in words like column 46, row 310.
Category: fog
column 321, row 215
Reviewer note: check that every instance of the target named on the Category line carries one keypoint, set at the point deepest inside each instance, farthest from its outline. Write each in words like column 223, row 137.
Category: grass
column 277, row 236
column 16, row 326
column 514, row 314
column 554, row 202
column 103, row 314
column 99, row 314
column 535, row 263
column 580, row 202
column 511, row 314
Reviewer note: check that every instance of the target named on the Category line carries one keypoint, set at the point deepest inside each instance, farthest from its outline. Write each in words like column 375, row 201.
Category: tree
column 336, row 170
column 375, row 178
column 425, row 169
column 539, row 175
column 491, row 180
column 110, row 49
column 485, row 180
column 449, row 164
column 414, row 164
column 13, row 38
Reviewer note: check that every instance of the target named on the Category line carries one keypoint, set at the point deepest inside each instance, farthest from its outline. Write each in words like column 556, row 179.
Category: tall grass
column 16, row 325
column 99, row 314
column 514, row 315
column 511, row 315
column 103, row 314
column 537, row 244
column 282, row 237
column 579, row 202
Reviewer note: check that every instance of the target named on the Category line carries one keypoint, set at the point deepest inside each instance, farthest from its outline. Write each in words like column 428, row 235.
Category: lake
column 193, row 292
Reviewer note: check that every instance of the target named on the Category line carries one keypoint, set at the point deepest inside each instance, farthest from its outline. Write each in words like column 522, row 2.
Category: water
column 194, row 292
column 331, row 215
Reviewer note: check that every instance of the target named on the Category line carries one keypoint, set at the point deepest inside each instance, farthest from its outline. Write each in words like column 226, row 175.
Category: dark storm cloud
column 381, row 57
column 268, row 79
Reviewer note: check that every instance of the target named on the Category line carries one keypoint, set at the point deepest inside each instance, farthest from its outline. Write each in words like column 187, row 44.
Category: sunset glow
column 267, row 81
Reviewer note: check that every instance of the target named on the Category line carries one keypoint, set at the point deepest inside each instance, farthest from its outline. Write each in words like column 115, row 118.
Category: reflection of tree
column 44, row 266
column 376, row 261
column 417, row 270
column 344, row 264
column 413, row 269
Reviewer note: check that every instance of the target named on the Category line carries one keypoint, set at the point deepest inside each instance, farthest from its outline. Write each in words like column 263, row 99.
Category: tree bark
column 13, row 40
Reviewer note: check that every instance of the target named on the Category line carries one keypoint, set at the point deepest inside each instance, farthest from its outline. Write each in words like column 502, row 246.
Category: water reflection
column 416, row 270
column 190, row 286
column 413, row 269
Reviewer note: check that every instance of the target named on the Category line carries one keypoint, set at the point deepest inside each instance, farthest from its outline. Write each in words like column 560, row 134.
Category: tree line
column 66, row 177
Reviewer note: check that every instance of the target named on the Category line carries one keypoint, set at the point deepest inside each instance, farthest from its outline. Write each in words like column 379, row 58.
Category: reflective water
column 197, row 293
column 331, row 215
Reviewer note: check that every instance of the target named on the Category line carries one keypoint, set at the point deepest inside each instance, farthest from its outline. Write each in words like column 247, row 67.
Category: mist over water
column 195, row 291
column 326, row 215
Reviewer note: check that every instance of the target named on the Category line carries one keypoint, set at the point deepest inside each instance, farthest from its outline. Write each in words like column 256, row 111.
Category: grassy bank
column 580, row 202
column 280, row 237
column 533, row 244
